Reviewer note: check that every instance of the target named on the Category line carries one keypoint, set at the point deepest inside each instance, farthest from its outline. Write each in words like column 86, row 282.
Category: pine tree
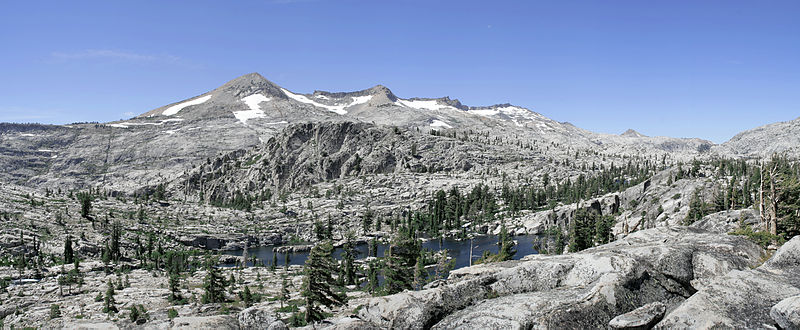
column 696, row 208
column 420, row 274
column 506, row 243
column 116, row 235
column 213, row 284
column 443, row 265
column 247, row 296
column 68, row 253
column 318, row 282
column 274, row 260
column 86, row 204
column 401, row 257
column 372, row 284
column 349, row 255
column 109, row 304
column 174, row 288
column 284, row 294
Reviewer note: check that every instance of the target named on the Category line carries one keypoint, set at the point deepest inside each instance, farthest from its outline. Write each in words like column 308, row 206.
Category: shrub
column 55, row 311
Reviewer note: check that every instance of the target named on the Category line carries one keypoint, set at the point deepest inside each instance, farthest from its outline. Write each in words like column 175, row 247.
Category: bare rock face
column 222, row 322
column 642, row 318
column 581, row 290
column 255, row 318
column 787, row 313
column 742, row 298
column 86, row 325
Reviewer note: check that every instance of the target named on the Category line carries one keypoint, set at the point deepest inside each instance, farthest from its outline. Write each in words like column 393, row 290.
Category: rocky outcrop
column 581, row 290
column 742, row 298
column 252, row 318
column 255, row 318
column 642, row 318
column 787, row 313
column 220, row 322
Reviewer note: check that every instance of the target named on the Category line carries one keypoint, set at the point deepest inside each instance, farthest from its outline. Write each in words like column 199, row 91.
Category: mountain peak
column 632, row 133
column 249, row 84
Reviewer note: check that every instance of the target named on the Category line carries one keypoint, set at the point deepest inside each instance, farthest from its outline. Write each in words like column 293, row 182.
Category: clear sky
column 704, row 69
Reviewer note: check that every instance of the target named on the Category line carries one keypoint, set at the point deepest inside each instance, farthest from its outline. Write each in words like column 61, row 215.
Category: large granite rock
column 742, row 298
column 220, row 322
column 787, row 313
column 642, row 318
column 255, row 318
column 581, row 290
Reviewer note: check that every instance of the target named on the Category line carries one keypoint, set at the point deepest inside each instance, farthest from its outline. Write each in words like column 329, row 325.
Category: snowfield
column 178, row 107
column 424, row 104
column 255, row 111
column 439, row 123
column 340, row 108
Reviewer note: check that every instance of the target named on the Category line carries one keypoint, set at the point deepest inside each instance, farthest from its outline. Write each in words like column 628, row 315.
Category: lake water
column 457, row 249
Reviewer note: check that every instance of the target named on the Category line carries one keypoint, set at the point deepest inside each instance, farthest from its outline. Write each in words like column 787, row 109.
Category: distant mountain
column 263, row 106
column 782, row 137
column 165, row 143
column 633, row 133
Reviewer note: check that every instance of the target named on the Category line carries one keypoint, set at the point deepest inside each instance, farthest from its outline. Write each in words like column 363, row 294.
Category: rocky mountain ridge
column 163, row 143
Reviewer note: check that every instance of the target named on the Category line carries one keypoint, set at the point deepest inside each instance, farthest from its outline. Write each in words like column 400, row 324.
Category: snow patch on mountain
column 360, row 100
column 439, row 123
column 339, row 108
column 303, row 99
column 423, row 104
column 255, row 111
column 178, row 107
column 161, row 122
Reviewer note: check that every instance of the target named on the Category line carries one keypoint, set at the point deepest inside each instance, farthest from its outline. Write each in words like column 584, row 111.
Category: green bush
column 762, row 238
column 55, row 311
column 172, row 313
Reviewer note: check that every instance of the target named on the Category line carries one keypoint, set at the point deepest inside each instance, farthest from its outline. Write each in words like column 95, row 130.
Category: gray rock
column 88, row 325
column 222, row 322
column 642, row 318
column 255, row 318
column 787, row 313
column 741, row 298
column 581, row 290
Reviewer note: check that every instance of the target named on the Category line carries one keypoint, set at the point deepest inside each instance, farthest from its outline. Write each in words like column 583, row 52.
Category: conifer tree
column 420, row 274
column 349, row 255
column 174, row 288
column 284, row 294
column 318, row 282
column 213, row 284
column 109, row 304
column 68, row 252
column 401, row 257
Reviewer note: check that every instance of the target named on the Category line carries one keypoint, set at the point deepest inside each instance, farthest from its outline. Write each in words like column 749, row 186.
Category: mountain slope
column 765, row 140
column 162, row 144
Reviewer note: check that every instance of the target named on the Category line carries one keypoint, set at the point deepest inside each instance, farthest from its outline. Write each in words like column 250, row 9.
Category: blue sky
column 704, row 69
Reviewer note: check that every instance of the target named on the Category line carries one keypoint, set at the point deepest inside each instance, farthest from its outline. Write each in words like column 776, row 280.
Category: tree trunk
column 761, row 219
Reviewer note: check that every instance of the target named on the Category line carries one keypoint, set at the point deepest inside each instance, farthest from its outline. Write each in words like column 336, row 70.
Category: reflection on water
column 459, row 250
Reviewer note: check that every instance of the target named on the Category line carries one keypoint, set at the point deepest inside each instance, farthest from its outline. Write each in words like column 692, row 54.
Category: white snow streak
column 178, row 107
column 439, row 123
column 339, row 108
column 162, row 122
column 424, row 104
column 255, row 111
column 360, row 100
